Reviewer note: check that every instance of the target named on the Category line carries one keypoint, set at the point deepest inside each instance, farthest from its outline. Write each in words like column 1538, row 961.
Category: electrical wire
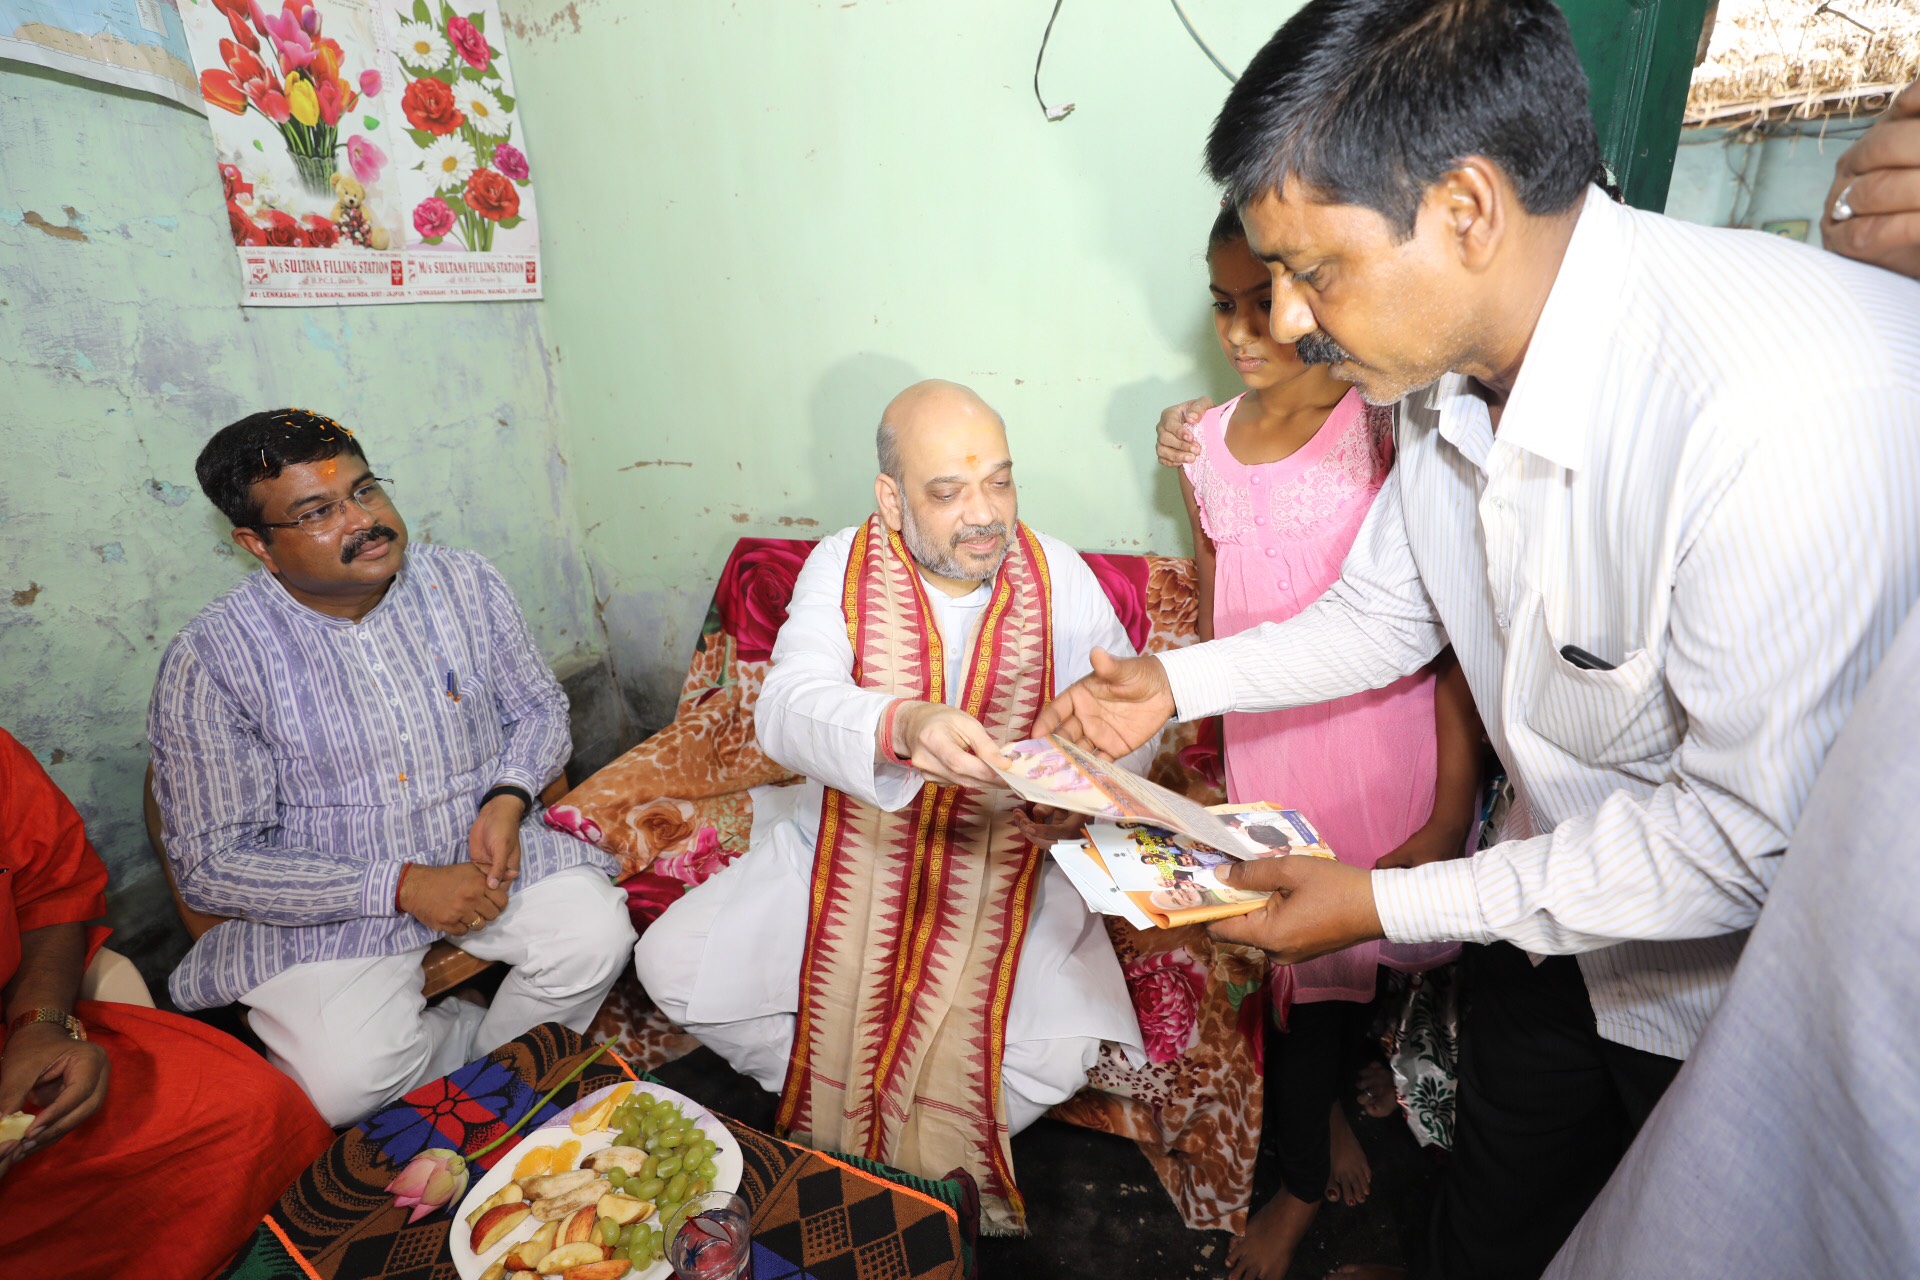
column 1052, row 113
column 1211, row 55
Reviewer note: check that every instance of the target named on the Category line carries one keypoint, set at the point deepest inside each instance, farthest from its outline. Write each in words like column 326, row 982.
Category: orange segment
column 621, row 1094
column 564, row 1155
column 538, row 1161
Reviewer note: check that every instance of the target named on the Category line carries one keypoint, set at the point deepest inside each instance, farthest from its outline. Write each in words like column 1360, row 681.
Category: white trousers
column 356, row 1034
column 1037, row 1070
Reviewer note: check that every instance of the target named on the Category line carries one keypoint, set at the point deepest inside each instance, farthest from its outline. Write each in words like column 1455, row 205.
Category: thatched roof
column 1804, row 58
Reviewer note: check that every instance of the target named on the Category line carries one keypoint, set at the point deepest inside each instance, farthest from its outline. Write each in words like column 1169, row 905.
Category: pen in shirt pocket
column 1572, row 653
column 453, row 685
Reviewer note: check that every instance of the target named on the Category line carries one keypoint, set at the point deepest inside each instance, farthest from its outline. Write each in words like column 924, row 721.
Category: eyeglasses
column 370, row 497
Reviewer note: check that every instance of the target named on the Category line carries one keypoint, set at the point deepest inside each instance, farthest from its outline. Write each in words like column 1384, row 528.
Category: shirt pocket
column 1611, row 719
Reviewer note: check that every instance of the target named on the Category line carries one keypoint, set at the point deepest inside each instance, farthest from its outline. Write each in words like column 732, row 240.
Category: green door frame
column 1639, row 56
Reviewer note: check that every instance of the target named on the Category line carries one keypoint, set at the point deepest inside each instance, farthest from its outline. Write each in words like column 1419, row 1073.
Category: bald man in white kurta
column 724, row 961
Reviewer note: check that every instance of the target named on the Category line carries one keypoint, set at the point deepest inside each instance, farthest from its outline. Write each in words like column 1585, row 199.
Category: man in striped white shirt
column 1658, row 485
column 346, row 750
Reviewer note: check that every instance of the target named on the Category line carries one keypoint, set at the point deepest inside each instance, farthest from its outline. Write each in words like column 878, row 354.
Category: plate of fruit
column 588, row 1197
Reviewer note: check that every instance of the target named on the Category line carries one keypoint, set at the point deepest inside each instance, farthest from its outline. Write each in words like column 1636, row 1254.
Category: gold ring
column 475, row 924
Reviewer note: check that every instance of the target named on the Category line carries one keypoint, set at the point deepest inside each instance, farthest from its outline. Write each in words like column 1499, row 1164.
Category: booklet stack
column 1152, row 859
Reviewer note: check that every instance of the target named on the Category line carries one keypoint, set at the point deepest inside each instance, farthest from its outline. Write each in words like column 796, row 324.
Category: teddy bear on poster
column 351, row 217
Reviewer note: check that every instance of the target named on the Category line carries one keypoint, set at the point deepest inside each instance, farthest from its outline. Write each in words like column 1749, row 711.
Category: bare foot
column 1375, row 1089
column 1273, row 1233
column 1350, row 1177
column 1367, row 1271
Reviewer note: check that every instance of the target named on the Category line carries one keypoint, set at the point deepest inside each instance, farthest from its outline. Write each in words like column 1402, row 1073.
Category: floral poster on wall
column 369, row 150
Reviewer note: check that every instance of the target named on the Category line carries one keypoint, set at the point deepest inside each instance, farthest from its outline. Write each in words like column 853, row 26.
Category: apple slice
column 14, row 1127
column 623, row 1209
column 509, row 1194
column 580, row 1226
column 578, row 1254
column 527, row 1254
column 611, row 1269
column 497, row 1271
column 495, row 1223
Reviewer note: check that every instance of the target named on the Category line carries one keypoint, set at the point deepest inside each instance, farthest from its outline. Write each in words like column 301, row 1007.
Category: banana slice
column 627, row 1159
column 550, row 1208
column 547, row 1185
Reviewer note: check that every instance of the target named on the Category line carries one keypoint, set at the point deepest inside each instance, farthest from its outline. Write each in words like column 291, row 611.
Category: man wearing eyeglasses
column 346, row 749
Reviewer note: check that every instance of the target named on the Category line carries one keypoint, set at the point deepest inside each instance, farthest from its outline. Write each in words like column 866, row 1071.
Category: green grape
column 670, row 1166
column 667, row 1209
column 618, row 1177
column 677, row 1186
column 626, row 1236
column 649, row 1189
column 629, row 1137
column 669, row 1138
column 699, row 1187
column 702, row 1150
column 650, row 1168
column 706, row 1169
column 651, row 1144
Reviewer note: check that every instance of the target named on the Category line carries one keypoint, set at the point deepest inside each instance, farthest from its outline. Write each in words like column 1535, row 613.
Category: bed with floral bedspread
column 675, row 809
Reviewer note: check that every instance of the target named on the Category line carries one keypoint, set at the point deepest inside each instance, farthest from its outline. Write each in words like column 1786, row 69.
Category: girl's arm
column 1456, row 795
column 1203, row 565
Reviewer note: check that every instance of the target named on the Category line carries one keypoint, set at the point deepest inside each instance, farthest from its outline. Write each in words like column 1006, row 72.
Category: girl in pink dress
column 1283, row 477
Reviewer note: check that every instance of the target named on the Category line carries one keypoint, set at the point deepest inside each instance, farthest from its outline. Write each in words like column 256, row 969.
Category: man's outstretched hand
column 1115, row 710
column 946, row 744
column 1318, row 906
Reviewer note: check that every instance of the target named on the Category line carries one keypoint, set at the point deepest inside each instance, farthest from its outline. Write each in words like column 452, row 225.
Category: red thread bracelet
column 886, row 734
column 400, row 884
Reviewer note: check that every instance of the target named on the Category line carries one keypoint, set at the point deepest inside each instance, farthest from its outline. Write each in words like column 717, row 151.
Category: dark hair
column 257, row 447
column 1226, row 227
column 1370, row 102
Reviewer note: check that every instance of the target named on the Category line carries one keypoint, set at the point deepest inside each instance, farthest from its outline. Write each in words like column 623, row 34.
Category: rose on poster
column 460, row 107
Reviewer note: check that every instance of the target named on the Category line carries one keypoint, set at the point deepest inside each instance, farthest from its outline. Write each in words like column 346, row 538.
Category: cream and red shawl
column 917, row 917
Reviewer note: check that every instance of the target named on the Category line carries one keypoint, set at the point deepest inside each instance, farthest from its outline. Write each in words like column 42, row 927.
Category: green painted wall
column 761, row 219
column 122, row 347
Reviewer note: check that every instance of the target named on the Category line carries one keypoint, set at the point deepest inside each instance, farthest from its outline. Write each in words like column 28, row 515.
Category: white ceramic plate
column 726, row 1161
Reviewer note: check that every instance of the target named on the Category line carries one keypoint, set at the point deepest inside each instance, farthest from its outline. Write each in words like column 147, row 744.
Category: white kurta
column 724, row 961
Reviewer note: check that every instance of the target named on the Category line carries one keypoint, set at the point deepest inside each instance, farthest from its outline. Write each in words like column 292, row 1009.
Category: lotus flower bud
column 431, row 1181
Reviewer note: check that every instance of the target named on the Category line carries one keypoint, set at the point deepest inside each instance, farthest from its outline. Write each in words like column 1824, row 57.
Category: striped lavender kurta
column 300, row 759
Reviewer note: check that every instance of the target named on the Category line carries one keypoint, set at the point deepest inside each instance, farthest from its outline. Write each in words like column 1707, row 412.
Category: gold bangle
column 59, row 1017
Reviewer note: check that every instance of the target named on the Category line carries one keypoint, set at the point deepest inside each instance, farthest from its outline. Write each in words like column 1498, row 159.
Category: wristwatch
column 59, row 1017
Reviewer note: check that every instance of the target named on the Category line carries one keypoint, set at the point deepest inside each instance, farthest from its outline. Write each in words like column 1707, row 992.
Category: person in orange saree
column 893, row 953
column 156, row 1143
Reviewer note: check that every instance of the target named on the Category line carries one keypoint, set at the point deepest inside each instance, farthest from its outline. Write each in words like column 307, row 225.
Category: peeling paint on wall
column 120, row 362
column 68, row 232
column 172, row 495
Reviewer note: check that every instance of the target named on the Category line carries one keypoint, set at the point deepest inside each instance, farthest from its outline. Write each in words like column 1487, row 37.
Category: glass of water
column 709, row 1239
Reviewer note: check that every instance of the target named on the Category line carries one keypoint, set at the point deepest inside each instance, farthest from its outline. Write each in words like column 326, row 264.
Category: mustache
column 358, row 542
column 1318, row 348
column 973, row 532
